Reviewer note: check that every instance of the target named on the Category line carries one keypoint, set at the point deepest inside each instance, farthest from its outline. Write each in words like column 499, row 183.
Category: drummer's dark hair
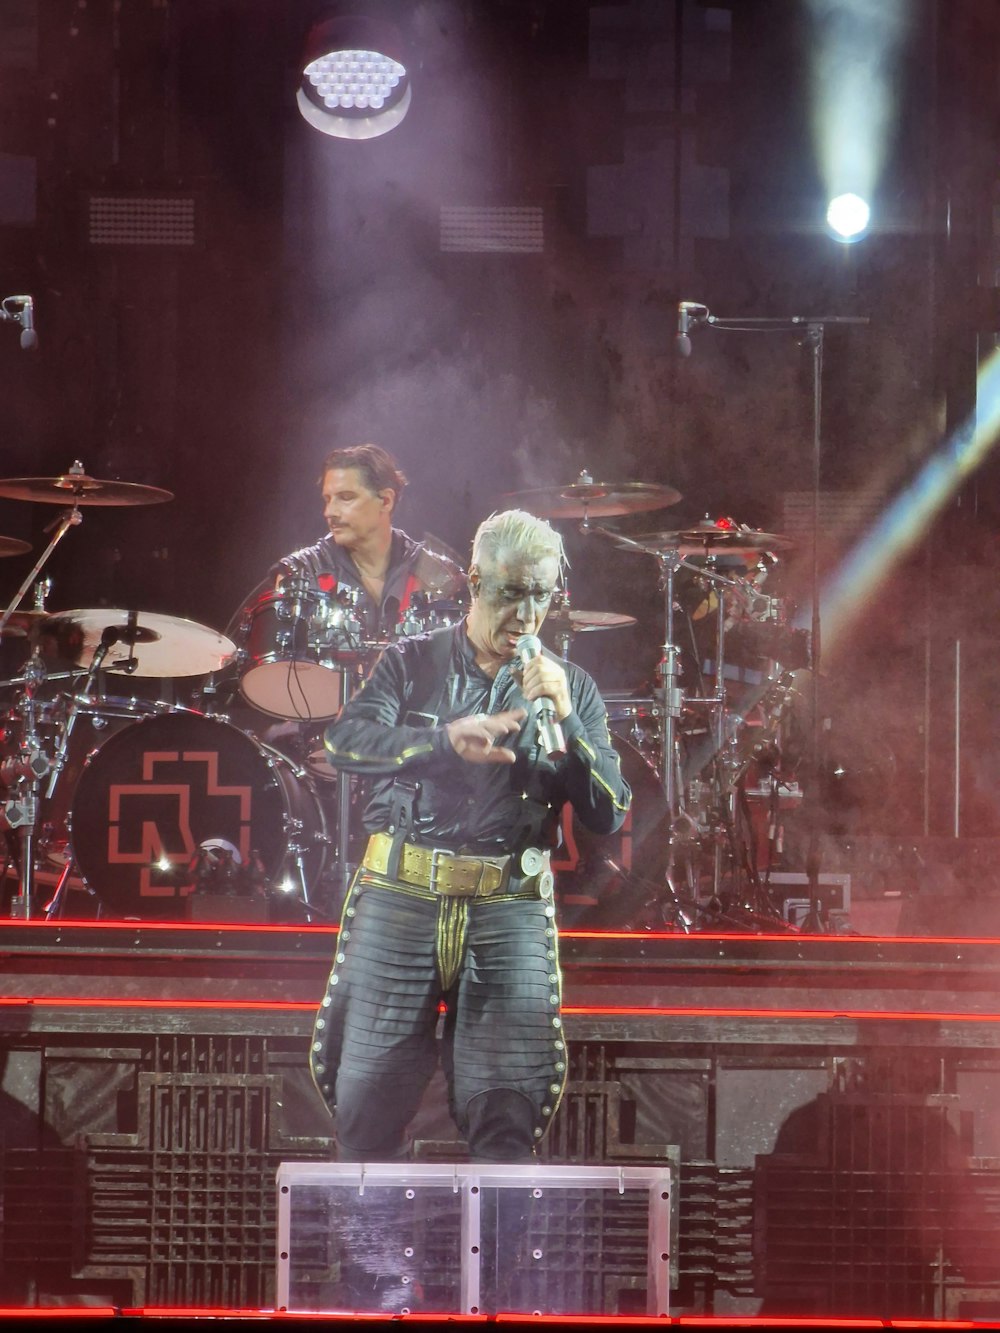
column 379, row 469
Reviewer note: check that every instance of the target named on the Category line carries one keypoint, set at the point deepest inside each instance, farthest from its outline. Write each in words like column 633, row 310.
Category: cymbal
column 143, row 644
column 13, row 546
column 76, row 488
column 708, row 538
column 579, row 622
column 592, row 499
column 438, row 569
column 21, row 623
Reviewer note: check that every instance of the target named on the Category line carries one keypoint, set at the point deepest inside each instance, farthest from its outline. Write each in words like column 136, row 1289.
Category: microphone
column 29, row 338
column 689, row 313
column 683, row 324
column 550, row 736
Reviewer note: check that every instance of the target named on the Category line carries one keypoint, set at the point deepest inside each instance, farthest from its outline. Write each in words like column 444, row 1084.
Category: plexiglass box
column 401, row 1238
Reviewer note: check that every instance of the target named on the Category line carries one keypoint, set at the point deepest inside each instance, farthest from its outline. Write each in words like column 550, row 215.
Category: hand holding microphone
column 544, row 685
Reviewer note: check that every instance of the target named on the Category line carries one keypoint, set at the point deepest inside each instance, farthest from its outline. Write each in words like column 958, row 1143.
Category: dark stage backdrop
column 313, row 304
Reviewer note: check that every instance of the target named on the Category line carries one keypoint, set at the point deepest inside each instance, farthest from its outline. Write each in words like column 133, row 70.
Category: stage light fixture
column 856, row 49
column 355, row 83
column 848, row 216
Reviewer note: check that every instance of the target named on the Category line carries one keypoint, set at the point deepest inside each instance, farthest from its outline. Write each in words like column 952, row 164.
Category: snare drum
column 296, row 644
column 158, row 790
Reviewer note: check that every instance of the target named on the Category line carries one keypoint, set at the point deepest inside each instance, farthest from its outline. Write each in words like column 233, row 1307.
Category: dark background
column 669, row 146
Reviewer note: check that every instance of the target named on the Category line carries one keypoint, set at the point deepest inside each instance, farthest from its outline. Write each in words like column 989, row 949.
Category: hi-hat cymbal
column 580, row 622
column 709, row 538
column 143, row 644
column 76, row 488
column 592, row 499
column 13, row 546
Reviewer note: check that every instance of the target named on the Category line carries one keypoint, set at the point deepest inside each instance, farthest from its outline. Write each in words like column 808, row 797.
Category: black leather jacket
column 394, row 729
column 326, row 558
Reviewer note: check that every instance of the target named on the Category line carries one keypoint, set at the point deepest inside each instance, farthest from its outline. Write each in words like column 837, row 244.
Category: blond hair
column 516, row 534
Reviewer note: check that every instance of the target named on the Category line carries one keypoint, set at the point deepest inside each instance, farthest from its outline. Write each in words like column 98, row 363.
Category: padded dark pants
column 494, row 964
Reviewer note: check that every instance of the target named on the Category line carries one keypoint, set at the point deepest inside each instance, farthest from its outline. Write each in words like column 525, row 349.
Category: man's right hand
column 476, row 739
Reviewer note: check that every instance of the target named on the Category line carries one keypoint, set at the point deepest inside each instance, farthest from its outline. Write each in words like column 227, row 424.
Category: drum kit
column 713, row 768
column 223, row 806
column 220, row 806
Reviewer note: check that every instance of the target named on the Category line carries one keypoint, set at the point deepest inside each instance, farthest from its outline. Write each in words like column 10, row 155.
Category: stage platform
column 829, row 1108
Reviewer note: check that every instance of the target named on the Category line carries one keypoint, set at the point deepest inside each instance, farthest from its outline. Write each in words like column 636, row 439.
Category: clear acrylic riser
column 427, row 1238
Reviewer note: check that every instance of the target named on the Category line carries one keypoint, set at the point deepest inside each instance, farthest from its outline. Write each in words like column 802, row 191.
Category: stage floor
column 826, row 1104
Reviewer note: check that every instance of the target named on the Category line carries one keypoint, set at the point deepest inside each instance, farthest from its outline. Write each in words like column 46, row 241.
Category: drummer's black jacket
column 394, row 729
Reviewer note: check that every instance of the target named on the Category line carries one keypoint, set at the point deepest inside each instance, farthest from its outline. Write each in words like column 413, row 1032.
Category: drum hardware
column 810, row 331
column 19, row 813
column 704, row 814
column 75, row 489
column 82, row 697
column 426, row 613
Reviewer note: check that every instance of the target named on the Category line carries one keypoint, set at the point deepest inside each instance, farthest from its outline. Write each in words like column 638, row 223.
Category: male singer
column 475, row 739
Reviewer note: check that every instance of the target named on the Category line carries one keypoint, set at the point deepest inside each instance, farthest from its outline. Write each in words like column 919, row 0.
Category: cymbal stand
column 111, row 635
column 108, row 639
column 812, row 331
column 344, row 868
column 725, row 728
column 71, row 518
column 20, row 812
column 668, row 670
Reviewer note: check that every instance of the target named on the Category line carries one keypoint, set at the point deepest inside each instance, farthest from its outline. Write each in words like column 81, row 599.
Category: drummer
column 363, row 552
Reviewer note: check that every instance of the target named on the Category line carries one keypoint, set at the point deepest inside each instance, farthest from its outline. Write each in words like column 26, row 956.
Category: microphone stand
column 813, row 328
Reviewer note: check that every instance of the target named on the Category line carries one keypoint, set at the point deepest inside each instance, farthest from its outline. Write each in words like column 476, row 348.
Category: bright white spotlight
column 354, row 79
column 848, row 215
column 855, row 48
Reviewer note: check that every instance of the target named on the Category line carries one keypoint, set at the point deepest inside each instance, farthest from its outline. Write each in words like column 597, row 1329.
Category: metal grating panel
column 881, row 1216
column 141, row 220
column 472, row 229
column 841, row 513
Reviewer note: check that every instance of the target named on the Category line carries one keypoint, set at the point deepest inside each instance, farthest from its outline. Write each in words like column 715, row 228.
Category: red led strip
column 597, row 1321
column 965, row 941
column 201, row 927
column 662, row 1011
column 116, row 1002
column 783, row 938
column 629, row 1011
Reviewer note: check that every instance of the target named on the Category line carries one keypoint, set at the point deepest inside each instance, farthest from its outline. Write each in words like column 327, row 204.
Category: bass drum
column 603, row 882
column 186, row 802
